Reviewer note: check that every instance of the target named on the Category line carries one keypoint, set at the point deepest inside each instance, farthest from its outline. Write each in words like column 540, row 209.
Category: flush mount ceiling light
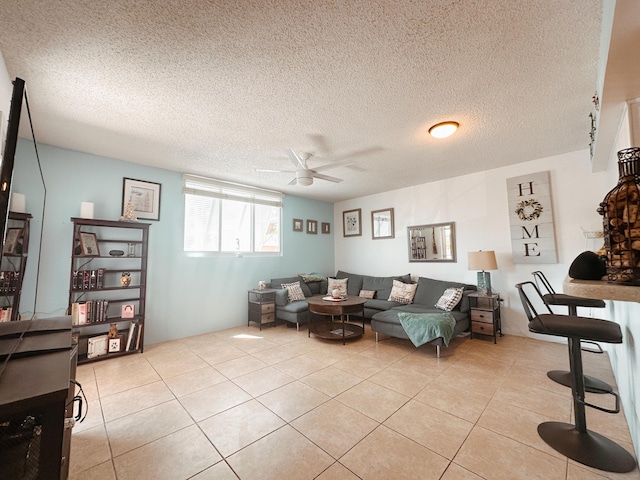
column 444, row 129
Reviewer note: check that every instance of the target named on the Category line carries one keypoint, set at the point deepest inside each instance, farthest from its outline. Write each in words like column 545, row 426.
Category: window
column 230, row 218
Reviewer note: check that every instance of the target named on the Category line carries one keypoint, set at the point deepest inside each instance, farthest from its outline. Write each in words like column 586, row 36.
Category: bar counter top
column 601, row 289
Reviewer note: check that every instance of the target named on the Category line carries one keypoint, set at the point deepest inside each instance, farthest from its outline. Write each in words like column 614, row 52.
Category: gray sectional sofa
column 382, row 312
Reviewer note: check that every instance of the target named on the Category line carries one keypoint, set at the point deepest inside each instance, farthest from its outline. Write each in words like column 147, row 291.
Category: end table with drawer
column 261, row 307
column 485, row 315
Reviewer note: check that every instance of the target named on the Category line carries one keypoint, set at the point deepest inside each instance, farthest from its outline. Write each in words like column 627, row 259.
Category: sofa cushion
column 403, row 292
column 294, row 291
column 377, row 304
column 429, row 290
column 355, row 282
column 449, row 299
column 318, row 288
column 282, row 297
column 295, row 307
column 340, row 284
column 277, row 283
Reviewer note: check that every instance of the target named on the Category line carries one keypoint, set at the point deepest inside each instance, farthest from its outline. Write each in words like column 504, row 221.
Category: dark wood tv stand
column 36, row 395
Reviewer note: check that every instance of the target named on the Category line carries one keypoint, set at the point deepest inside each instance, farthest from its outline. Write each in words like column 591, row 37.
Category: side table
column 261, row 306
column 485, row 315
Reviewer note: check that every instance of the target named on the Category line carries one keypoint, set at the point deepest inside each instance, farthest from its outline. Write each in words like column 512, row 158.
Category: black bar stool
column 575, row 441
column 591, row 384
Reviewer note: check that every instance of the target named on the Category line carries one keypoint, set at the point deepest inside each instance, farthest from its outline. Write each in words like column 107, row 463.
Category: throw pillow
column 402, row 292
column 312, row 277
column 449, row 299
column 294, row 291
column 339, row 283
column 367, row 294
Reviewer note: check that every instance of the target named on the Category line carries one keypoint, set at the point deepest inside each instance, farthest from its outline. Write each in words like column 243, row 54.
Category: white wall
column 477, row 203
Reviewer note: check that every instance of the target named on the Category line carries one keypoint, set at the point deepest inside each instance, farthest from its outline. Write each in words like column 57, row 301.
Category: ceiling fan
column 305, row 175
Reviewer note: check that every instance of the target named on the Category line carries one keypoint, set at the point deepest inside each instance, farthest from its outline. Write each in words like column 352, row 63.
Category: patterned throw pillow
column 367, row 294
column 294, row 291
column 339, row 283
column 402, row 292
column 449, row 299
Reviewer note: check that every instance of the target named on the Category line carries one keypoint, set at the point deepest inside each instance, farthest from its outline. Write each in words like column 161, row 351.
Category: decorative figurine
column 129, row 214
column 125, row 279
column 113, row 331
column 262, row 285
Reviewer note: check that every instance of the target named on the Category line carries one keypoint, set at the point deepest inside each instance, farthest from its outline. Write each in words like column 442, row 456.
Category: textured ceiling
column 220, row 88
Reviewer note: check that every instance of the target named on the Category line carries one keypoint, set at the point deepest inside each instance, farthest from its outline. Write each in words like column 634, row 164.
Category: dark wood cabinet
column 36, row 389
column 485, row 315
column 107, row 287
column 261, row 306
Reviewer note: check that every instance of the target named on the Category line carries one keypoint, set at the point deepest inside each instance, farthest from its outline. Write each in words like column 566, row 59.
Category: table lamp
column 483, row 261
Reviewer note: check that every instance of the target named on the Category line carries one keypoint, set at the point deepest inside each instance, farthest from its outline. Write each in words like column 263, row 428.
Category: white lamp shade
column 18, row 203
column 482, row 260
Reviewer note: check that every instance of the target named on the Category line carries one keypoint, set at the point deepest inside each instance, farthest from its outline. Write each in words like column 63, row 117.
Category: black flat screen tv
column 9, row 154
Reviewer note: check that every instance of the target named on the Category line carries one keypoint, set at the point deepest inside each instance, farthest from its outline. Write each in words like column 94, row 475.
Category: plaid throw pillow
column 367, row 294
column 449, row 299
column 294, row 291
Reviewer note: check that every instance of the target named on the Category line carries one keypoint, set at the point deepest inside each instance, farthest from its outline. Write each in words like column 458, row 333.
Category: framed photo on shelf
column 128, row 310
column 297, row 225
column 89, row 244
column 312, row 227
column 382, row 224
column 12, row 246
column 352, row 223
column 115, row 344
column 326, row 227
column 144, row 196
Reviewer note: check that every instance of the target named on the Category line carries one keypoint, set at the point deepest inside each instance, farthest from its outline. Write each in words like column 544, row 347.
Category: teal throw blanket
column 424, row 327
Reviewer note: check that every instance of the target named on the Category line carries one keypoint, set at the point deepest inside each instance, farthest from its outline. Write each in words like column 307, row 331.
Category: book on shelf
column 100, row 279
column 132, row 329
column 82, row 313
column 89, row 311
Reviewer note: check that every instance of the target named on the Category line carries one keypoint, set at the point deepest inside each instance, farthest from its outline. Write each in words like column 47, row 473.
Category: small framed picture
column 115, row 344
column 297, row 224
column 89, row 244
column 312, row 227
column 326, row 227
column 382, row 224
column 144, row 196
column 128, row 310
column 12, row 245
column 352, row 222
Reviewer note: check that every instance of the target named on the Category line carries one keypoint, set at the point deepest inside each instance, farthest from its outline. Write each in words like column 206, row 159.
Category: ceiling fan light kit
column 304, row 177
column 443, row 129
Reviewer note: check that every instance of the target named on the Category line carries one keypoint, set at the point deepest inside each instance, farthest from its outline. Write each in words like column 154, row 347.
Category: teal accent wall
column 187, row 294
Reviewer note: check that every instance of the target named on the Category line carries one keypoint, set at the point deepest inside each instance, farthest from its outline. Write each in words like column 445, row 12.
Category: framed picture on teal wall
column 143, row 196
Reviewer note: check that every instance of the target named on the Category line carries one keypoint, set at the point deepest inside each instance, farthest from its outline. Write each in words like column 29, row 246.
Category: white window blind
column 228, row 217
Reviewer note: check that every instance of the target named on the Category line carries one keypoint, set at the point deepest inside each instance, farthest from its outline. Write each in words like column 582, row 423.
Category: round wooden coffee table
column 338, row 327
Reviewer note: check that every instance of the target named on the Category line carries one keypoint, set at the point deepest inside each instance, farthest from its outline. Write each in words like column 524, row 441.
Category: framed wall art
column 297, row 225
column 89, row 244
column 382, row 224
column 326, row 227
column 144, row 196
column 312, row 227
column 352, row 222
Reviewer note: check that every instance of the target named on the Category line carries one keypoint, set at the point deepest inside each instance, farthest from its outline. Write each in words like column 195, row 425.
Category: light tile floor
column 274, row 404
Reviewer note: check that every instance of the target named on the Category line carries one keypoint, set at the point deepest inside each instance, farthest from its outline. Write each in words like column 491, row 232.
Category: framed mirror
column 432, row 243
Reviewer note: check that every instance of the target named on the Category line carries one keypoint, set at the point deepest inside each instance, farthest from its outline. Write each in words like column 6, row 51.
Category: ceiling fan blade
column 357, row 153
column 327, row 178
column 273, row 170
column 296, row 159
column 294, row 181
column 329, row 166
